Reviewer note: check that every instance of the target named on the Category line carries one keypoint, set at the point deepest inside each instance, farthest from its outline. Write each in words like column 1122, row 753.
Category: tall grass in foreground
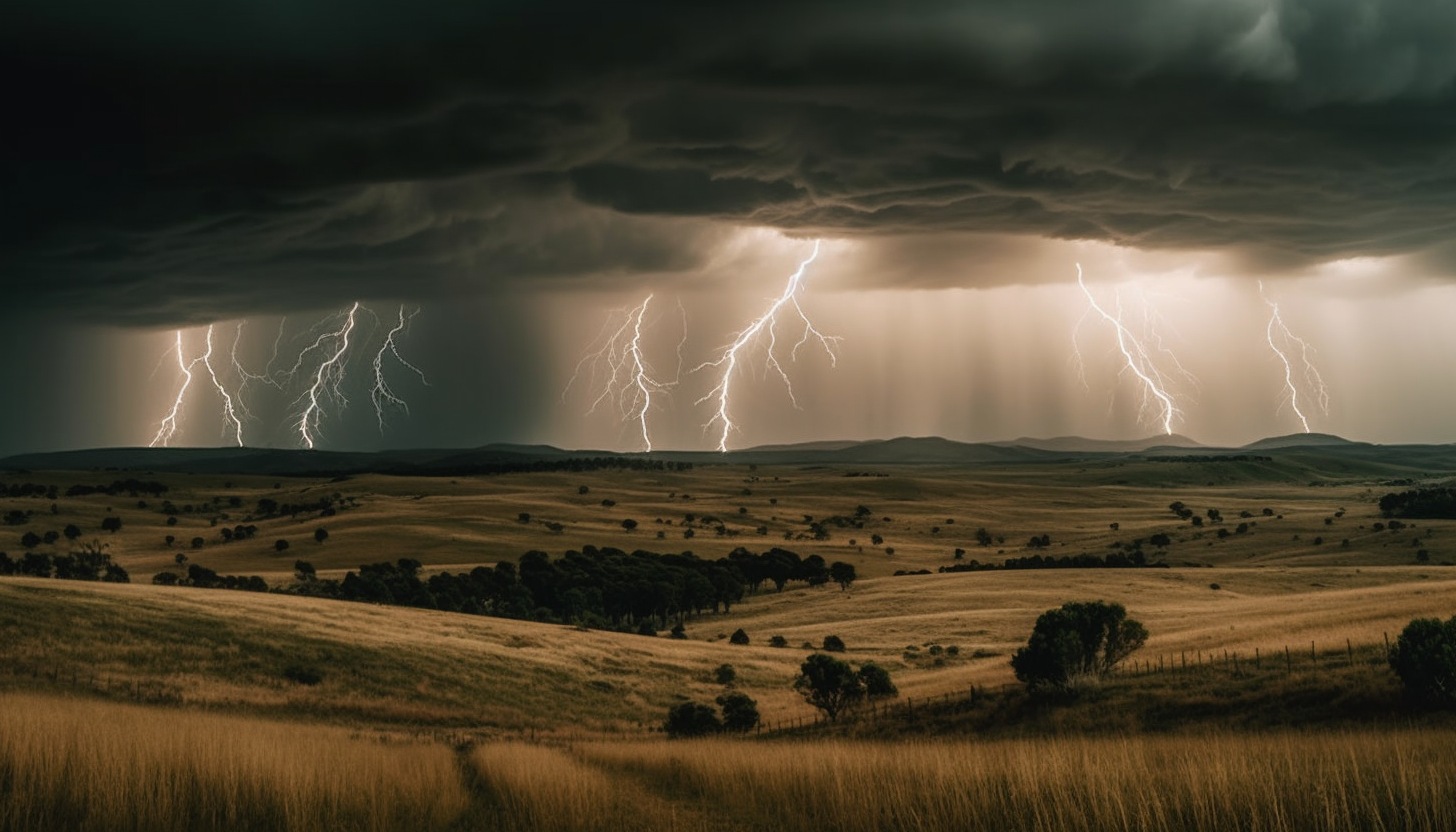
column 1401, row 780
column 77, row 765
column 544, row 789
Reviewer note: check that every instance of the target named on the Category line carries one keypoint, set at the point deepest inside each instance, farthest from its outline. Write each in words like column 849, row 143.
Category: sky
column 515, row 179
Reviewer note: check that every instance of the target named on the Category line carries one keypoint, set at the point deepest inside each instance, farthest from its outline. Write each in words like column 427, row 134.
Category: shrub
column 691, row 719
column 740, row 712
column 1424, row 657
column 724, row 674
column 876, row 681
column 1079, row 639
column 778, row 641
column 302, row 675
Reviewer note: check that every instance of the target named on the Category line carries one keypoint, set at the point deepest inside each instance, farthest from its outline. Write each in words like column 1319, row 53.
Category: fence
column 1231, row 662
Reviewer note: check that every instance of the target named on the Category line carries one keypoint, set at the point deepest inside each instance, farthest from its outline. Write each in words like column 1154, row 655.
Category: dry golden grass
column 1281, row 783
column 73, row 765
column 461, row 522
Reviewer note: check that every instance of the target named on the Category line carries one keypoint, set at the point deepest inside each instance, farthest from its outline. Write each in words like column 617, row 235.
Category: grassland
column 443, row 679
column 74, row 765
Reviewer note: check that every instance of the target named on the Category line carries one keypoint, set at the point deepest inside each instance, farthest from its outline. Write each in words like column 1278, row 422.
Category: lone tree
column 828, row 684
column 1424, row 657
column 1080, row 639
column 691, row 719
column 740, row 712
column 842, row 573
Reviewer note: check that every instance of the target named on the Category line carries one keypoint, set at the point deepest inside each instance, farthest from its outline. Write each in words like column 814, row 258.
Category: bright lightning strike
column 766, row 324
column 625, row 377
column 381, row 394
column 1138, row 359
column 1278, row 330
column 169, row 422
column 227, row 399
column 328, row 380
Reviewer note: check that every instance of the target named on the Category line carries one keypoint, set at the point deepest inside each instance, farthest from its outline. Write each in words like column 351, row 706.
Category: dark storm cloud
column 170, row 161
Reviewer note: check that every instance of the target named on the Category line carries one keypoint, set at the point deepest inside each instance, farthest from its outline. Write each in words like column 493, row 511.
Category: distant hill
column 1079, row 444
column 1302, row 440
column 1319, row 452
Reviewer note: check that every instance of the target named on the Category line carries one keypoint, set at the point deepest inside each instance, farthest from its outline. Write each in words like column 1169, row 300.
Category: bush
column 1080, row 639
column 302, row 675
column 876, row 681
column 724, row 674
column 740, row 712
column 691, row 719
column 778, row 641
column 738, row 637
column 1424, row 657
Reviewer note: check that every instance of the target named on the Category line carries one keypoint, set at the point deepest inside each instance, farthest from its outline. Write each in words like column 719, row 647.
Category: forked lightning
column 763, row 327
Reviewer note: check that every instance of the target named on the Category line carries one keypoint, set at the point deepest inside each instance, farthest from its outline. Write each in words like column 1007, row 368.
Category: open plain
column 1264, row 669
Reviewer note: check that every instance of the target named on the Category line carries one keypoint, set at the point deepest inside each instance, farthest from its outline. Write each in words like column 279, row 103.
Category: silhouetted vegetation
column 1426, row 503
column 1424, row 657
column 1079, row 639
column 90, row 562
column 1132, row 559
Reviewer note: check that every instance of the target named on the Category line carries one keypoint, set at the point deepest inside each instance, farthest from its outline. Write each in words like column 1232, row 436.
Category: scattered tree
column 842, row 573
column 833, row 644
column 828, row 684
column 111, row 524
column 320, row 535
column 738, row 637
column 1081, row 638
column 304, row 571
column 629, row 524
column 280, row 545
column 724, row 674
column 740, row 712
column 72, row 531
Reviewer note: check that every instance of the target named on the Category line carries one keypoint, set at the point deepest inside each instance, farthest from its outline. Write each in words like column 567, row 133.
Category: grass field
column 76, row 765
column 214, row 663
column 69, row 765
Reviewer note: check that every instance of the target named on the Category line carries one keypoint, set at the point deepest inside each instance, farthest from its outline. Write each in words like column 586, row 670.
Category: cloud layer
column 168, row 162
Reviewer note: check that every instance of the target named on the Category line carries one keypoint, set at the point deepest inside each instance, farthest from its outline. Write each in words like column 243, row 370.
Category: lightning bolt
column 1312, row 378
column 169, row 422
column 381, row 394
column 227, row 399
column 1138, row 360
column 626, row 377
column 327, row 380
column 766, row 323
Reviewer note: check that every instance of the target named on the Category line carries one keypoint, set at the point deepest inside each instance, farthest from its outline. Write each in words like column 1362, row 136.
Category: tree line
column 606, row 588
column 1438, row 503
